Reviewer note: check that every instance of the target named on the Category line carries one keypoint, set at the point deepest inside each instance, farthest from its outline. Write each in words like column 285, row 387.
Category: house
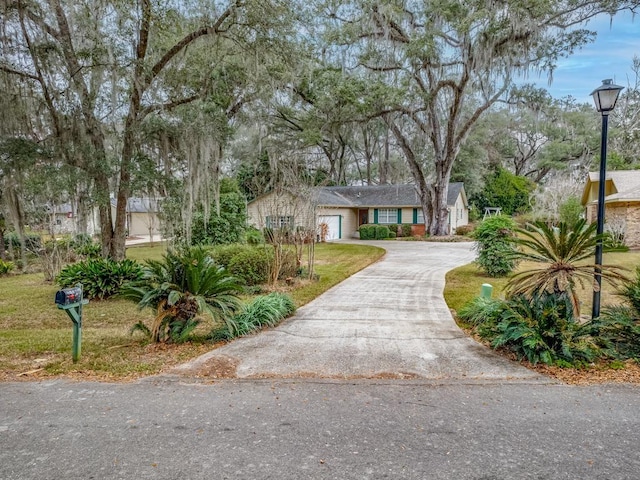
column 341, row 210
column 622, row 203
column 63, row 219
column 142, row 216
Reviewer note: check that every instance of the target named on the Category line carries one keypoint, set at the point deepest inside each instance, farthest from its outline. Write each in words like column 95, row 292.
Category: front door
column 363, row 217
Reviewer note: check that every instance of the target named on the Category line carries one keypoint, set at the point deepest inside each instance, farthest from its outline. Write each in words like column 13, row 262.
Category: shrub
column 267, row 310
column 542, row 329
column 494, row 245
column 617, row 331
column 630, row 290
column 464, row 229
column 406, row 229
column 571, row 210
column 223, row 254
column 100, row 278
column 392, row 235
column 253, row 236
column 86, row 247
column 393, row 228
column 6, row 267
column 381, row 232
column 251, row 265
column 181, row 287
column 367, row 232
column 32, row 241
column 482, row 310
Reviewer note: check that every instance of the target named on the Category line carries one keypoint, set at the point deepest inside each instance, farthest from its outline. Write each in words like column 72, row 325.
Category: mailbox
column 70, row 300
column 69, row 296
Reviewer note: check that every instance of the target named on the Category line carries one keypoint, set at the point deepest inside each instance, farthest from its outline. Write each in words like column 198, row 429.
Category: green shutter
column 375, row 215
column 415, row 216
column 339, row 226
column 399, row 216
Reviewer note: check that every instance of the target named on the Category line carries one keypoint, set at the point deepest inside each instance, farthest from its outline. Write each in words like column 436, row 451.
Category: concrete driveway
column 387, row 321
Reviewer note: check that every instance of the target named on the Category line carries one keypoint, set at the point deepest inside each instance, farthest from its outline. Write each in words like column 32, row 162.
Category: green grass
column 35, row 335
column 463, row 283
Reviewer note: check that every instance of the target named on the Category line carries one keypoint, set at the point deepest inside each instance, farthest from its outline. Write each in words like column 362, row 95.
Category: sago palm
column 562, row 255
column 182, row 287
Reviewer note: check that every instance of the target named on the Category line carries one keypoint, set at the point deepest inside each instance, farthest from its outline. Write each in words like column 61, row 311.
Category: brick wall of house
column 623, row 217
column 632, row 225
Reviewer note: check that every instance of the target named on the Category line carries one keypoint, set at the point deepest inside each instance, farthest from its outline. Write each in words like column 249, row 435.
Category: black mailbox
column 69, row 296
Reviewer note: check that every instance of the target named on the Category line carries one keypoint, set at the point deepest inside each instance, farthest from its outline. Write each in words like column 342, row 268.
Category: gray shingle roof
column 140, row 204
column 378, row 196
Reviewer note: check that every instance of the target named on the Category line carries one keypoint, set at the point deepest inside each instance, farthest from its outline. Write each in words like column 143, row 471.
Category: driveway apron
column 389, row 320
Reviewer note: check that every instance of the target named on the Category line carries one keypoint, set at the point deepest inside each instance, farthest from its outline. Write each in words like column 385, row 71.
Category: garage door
column 329, row 226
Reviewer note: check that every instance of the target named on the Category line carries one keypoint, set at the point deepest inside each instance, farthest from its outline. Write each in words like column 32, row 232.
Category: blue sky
column 610, row 56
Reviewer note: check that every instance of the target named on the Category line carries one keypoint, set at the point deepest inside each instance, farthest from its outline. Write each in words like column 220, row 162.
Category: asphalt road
column 275, row 429
column 387, row 321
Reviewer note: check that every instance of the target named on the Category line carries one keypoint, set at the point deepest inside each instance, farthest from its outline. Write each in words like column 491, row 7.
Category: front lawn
column 36, row 337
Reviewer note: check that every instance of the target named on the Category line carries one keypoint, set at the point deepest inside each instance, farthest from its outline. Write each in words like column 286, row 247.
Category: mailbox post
column 70, row 300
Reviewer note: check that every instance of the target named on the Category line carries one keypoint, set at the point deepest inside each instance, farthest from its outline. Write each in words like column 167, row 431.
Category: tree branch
column 20, row 73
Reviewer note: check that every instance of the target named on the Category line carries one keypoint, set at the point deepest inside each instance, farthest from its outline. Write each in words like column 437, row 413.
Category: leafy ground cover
column 36, row 337
column 464, row 283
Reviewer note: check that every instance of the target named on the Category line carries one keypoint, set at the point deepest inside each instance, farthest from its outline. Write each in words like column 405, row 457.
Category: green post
column 486, row 290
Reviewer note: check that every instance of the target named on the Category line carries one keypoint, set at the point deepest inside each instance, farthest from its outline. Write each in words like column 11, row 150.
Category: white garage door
column 332, row 231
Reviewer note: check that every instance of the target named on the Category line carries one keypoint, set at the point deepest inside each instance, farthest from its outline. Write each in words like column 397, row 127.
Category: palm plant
column 560, row 253
column 180, row 288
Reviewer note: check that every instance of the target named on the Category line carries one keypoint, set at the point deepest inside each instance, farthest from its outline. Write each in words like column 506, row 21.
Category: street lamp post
column 605, row 98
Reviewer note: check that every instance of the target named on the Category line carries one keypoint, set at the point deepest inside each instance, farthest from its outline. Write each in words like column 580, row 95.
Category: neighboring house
column 341, row 210
column 64, row 219
column 142, row 216
column 622, row 203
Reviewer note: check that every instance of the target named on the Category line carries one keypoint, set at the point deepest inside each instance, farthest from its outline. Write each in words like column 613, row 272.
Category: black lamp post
column 605, row 98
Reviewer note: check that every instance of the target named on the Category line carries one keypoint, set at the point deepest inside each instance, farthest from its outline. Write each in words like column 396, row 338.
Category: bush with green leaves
column 630, row 290
column 32, row 241
column 223, row 254
column 571, row 210
column 267, row 310
column 251, row 265
column 381, row 232
column 541, row 329
column 617, row 332
column 181, row 288
column 226, row 222
column 505, row 190
column 367, row 232
column 253, row 236
column 6, row 267
column 100, row 277
column 481, row 310
column 84, row 246
column 494, row 245
column 405, row 229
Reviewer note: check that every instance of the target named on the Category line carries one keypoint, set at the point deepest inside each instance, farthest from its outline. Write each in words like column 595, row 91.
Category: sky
column 610, row 56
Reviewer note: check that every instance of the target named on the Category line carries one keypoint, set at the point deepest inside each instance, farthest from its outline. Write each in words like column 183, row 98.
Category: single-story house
column 342, row 210
column 63, row 219
column 142, row 216
column 621, row 203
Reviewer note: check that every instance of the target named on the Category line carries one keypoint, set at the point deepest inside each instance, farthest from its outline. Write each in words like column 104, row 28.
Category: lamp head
column 606, row 96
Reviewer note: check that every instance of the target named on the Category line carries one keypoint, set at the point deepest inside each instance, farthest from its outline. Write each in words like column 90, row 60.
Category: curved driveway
column 387, row 321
